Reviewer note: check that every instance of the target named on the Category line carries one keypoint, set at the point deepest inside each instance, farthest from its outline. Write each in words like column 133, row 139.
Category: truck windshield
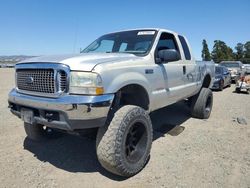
column 135, row 42
column 218, row 70
column 230, row 65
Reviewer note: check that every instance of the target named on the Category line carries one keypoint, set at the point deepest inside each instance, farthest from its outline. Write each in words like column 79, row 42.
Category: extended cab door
column 173, row 72
column 189, row 64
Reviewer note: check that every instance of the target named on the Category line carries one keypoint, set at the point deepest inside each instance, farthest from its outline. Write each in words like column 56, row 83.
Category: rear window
column 185, row 48
column 230, row 65
column 218, row 70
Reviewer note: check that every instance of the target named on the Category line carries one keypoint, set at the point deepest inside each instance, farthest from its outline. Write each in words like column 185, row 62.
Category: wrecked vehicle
column 111, row 87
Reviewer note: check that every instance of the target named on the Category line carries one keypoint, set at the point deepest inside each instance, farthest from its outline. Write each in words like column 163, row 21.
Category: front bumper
column 216, row 84
column 235, row 77
column 68, row 112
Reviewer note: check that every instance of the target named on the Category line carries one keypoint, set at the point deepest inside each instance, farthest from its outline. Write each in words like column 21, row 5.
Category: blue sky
column 44, row 27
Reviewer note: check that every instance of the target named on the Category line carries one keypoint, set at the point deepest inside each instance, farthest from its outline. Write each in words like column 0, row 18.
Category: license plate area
column 27, row 115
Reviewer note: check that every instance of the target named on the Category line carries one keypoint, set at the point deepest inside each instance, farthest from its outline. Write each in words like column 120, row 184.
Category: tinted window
column 167, row 41
column 105, row 45
column 135, row 42
column 185, row 48
column 230, row 65
column 218, row 70
column 123, row 47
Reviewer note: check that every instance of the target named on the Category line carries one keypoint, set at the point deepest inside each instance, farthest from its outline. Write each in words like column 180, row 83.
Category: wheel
column 237, row 90
column 39, row 132
column 221, row 85
column 202, row 104
column 123, row 147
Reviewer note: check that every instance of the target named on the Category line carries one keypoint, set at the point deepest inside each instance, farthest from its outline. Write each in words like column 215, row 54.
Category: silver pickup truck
column 111, row 87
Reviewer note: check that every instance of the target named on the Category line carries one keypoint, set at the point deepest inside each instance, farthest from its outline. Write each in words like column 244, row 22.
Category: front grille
column 62, row 80
column 41, row 80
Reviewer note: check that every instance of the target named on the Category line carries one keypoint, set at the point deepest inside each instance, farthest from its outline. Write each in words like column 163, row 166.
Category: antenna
column 76, row 34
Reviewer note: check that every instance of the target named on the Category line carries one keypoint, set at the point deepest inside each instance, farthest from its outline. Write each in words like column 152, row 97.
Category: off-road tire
column 36, row 132
column 112, row 141
column 202, row 104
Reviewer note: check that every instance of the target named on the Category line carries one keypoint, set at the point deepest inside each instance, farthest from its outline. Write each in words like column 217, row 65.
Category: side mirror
column 168, row 55
column 225, row 73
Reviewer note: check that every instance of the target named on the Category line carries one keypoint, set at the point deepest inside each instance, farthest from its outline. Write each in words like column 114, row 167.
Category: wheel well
column 206, row 81
column 133, row 94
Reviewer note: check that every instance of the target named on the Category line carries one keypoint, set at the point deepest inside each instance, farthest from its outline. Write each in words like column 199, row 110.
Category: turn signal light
column 99, row 90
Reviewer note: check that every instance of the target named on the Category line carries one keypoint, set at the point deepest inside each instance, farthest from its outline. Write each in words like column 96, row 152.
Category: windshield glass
column 218, row 70
column 135, row 42
column 231, row 65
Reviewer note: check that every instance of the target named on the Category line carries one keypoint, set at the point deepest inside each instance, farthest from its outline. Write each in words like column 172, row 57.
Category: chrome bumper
column 68, row 112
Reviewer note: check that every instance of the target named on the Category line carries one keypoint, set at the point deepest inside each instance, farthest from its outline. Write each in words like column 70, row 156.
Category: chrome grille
column 43, row 81
column 36, row 80
column 62, row 80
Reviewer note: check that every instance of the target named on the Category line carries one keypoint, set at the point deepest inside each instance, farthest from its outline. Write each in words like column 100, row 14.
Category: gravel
column 186, row 152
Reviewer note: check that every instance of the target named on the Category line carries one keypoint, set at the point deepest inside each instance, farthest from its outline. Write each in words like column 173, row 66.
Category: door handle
column 184, row 69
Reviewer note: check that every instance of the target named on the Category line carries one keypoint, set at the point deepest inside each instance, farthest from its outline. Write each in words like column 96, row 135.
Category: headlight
column 85, row 83
column 217, row 79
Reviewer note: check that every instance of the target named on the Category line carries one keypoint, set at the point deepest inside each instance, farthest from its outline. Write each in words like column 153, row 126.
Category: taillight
column 242, row 78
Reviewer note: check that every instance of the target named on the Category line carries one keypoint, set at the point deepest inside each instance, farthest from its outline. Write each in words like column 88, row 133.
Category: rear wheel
column 38, row 132
column 221, row 85
column 123, row 147
column 202, row 104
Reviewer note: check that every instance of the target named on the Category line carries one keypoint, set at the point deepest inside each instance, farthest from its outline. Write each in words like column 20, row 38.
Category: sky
column 45, row 27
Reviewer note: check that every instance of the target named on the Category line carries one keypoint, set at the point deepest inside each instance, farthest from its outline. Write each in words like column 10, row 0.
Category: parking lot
column 186, row 152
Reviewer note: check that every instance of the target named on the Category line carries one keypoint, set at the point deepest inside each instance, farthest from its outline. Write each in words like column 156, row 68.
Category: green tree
column 239, row 52
column 247, row 52
column 221, row 52
column 205, row 54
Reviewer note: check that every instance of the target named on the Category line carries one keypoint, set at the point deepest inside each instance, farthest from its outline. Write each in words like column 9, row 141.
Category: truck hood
column 83, row 62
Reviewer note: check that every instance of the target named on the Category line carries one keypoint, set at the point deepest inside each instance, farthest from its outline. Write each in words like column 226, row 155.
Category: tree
column 239, row 52
column 205, row 54
column 247, row 52
column 221, row 52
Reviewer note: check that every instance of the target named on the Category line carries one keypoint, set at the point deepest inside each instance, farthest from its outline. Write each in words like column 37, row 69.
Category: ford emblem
column 29, row 80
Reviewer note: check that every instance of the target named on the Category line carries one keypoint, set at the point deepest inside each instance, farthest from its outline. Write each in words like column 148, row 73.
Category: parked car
column 236, row 69
column 111, row 87
column 222, row 78
column 247, row 68
column 243, row 84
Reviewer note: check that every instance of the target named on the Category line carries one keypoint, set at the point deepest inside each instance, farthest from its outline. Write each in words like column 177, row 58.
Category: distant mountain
column 13, row 58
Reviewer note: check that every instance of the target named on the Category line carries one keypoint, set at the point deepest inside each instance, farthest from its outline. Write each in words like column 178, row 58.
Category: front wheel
column 202, row 104
column 237, row 90
column 123, row 147
column 38, row 132
column 221, row 85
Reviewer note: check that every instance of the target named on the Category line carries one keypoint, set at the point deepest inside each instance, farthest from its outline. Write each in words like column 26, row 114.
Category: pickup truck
column 112, row 86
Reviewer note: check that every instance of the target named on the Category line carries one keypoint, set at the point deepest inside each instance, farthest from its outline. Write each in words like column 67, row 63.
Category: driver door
column 173, row 72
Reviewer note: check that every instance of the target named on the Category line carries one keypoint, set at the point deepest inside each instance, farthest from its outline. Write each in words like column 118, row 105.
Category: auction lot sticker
column 146, row 33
